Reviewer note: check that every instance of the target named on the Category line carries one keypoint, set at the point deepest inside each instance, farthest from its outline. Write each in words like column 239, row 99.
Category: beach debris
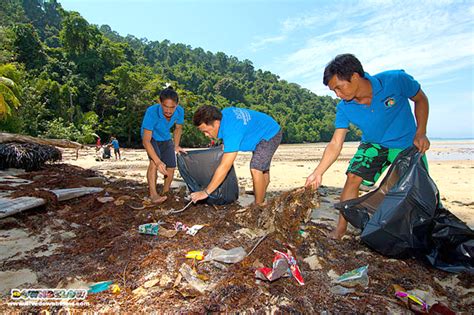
column 356, row 277
column 284, row 265
column 192, row 278
column 115, row 289
column 230, row 256
column 149, row 228
column 180, row 226
column 420, row 301
column 100, row 286
column 182, row 209
column 194, row 229
column 195, row 254
column 340, row 290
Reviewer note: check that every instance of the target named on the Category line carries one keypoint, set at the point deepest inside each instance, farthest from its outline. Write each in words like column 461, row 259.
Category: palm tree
column 8, row 97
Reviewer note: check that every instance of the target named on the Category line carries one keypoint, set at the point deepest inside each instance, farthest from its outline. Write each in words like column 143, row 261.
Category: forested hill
column 62, row 77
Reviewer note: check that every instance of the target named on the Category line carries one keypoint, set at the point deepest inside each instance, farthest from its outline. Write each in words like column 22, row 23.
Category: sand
column 451, row 166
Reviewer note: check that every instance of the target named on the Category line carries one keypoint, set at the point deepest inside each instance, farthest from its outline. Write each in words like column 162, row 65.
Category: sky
column 431, row 40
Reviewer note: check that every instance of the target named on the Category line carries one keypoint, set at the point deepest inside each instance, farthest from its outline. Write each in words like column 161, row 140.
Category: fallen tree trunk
column 10, row 137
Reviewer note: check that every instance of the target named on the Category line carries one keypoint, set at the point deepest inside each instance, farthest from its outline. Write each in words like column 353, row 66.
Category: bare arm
column 219, row 176
column 178, row 131
column 147, row 134
column 332, row 151
column 421, row 115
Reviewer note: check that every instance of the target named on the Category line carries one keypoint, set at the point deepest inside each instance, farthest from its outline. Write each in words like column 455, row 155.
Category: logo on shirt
column 242, row 114
column 389, row 102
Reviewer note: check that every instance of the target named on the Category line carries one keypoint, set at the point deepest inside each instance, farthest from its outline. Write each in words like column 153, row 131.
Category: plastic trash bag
column 404, row 217
column 197, row 168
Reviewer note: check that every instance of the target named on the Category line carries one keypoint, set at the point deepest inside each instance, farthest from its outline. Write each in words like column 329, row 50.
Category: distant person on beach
column 241, row 130
column 98, row 145
column 116, row 146
column 379, row 106
column 156, row 138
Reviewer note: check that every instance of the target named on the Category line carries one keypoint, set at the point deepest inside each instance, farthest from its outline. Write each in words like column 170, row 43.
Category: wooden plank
column 10, row 206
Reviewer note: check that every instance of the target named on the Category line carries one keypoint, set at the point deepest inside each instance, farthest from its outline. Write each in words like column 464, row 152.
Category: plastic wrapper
column 404, row 217
column 230, row 256
column 149, row 228
column 194, row 229
column 283, row 265
column 195, row 254
column 197, row 168
column 356, row 277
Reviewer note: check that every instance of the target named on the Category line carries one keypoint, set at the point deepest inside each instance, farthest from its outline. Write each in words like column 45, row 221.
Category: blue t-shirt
column 388, row 121
column 155, row 121
column 242, row 129
column 115, row 144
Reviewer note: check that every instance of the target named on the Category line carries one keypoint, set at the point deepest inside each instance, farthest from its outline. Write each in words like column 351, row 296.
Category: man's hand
column 161, row 167
column 198, row 195
column 178, row 149
column 421, row 142
column 314, row 180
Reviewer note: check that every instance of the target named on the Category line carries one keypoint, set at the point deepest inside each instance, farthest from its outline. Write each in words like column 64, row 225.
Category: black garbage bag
column 197, row 168
column 404, row 217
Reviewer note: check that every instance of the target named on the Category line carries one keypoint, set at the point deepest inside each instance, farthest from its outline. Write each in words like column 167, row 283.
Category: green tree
column 9, row 93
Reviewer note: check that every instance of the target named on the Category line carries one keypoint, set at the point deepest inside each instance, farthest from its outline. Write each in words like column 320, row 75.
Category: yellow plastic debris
column 195, row 254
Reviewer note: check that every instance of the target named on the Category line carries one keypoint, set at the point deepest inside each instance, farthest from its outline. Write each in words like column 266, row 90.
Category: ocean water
column 451, row 150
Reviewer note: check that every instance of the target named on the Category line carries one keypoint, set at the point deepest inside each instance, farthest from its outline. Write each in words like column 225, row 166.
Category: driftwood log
column 11, row 137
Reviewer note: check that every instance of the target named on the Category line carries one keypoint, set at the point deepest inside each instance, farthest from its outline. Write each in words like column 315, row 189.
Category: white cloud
column 426, row 38
column 262, row 42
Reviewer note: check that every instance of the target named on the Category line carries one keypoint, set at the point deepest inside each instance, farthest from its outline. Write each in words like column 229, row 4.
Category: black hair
column 206, row 114
column 344, row 66
column 169, row 93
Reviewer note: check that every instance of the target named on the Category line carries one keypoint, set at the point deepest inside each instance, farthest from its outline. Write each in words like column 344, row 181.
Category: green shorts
column 371, row 160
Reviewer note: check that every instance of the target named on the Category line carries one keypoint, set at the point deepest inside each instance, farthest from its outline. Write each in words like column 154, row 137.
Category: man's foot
column 337, row 233
column 158, row 200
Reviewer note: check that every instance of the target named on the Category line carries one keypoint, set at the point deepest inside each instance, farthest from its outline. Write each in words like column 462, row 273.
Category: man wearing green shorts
column 379, row 106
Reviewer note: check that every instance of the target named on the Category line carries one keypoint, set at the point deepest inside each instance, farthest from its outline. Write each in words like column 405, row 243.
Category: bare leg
column 168, row 179
column 151, row 179
column 266, row 175
column 350, row 191
column 151, row 176
column 259, row 185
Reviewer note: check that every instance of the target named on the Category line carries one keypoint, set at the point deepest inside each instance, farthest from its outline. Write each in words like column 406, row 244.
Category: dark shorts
column 264, row 151
column 165, row 151
column 371, row 160
column 116, row 151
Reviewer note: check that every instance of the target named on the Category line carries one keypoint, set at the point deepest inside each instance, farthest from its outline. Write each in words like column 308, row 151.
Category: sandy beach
column 451, row 166
column 82, row 241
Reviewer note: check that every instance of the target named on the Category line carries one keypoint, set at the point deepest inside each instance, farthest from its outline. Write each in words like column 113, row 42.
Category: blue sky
column 431, row 40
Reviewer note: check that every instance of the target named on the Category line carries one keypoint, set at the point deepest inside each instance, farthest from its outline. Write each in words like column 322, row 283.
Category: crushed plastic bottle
column 192, row 278
column 230, row 256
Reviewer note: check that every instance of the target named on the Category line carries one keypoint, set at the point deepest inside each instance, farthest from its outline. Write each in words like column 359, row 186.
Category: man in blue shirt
column 379, row 106
column 116, row 146
column 241, row 130
column 156, row 138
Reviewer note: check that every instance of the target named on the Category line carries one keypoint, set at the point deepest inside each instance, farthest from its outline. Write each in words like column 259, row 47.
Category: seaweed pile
column 99, row 241
column 27, row 156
